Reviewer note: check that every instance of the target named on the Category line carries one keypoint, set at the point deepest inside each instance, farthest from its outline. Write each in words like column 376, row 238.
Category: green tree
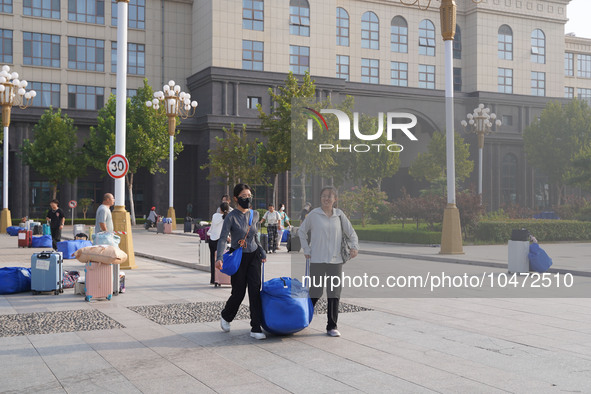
column 147, row 139
column 364, row 201
column 235, row 159
column 432, row 164
column 581, row 171
column 553, row 140
column 54, row 153
column 85, row 203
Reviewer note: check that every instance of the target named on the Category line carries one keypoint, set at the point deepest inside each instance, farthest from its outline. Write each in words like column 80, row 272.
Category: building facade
column 510, row 55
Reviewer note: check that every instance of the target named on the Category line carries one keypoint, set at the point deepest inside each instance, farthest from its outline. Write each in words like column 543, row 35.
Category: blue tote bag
column 539, row 261
column 231, row 259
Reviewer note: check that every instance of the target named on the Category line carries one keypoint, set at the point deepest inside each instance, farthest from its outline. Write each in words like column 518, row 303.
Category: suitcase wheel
column 109, row 297
column 216, row 285
column 35, row 292
column 56, row 292
column 87, row 298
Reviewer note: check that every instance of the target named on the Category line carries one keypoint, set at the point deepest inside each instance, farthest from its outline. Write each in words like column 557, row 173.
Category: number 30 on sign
column 117, row 166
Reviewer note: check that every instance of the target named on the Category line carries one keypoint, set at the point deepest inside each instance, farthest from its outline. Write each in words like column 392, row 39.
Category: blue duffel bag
column 15, row 280
column 69, row 247
column 286, row 305
column 41, row 241
column 13, row 230
column 539, row 261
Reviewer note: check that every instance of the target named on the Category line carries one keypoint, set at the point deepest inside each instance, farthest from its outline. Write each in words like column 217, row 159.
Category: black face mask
column 244, row 202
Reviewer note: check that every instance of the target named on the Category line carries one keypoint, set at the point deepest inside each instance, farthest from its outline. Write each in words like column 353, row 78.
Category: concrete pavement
column 400, row 345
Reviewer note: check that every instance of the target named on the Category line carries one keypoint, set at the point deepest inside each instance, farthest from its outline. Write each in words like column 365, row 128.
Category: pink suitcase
column 99, row 281
column 221, row 278
column 167, row 228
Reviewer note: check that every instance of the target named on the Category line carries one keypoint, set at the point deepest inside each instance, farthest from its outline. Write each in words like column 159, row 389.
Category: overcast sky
column 579, row 14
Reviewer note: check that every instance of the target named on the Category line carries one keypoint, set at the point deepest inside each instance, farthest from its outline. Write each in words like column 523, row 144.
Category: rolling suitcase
column 160, row 228
column 38, row 230
column 187, row 225
column 47, row 272
column 167, row 228
column 99, row 281
column 25, row 238
column 265, row 242
column 293, row 242
column 221, row 278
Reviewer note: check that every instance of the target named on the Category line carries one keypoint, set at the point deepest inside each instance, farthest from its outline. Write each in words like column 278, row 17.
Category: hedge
column 543, row 230
column 397, row 235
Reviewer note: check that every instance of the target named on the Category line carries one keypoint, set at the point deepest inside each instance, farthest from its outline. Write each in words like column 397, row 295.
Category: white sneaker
column 333, row 333
column 225, row 325
column 258, row 335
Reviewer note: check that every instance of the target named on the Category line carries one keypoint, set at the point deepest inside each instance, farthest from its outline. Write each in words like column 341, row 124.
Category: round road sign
column 72, row 204
column 117, row 166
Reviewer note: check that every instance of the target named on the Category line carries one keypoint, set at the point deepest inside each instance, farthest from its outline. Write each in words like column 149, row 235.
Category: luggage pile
column 101, row 278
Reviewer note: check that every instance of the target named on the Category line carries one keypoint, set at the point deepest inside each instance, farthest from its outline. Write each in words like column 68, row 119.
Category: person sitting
column 152, row 218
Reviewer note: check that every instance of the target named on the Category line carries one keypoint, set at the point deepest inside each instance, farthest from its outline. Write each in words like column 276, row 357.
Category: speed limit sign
column 117, row 166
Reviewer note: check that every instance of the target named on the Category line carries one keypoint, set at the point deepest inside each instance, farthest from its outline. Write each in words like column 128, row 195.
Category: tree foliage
column 363, row 201
column 54, row 153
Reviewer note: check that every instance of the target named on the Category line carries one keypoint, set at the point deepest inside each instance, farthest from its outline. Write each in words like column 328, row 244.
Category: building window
column 299, row 59
column 41, row 49
column 253, row 14
column 87, row 11
column 44, row 9
column 426, row 38
column 569, row 92
column 507, row 120
column 343, row 67
column 48, row 94
column 136, row 14
column 583, row 66
column 538, row 47
column 85, row 97
column 584, row 94
column 569, row 64
column 252, row 55
column 509, row 179
column 426, row 76
column 86, row 54
column 129, row 92
column 505, row 43
column 457, row 79
column 5, row 46
column 505, row 80
column 370, row 71
column 399, row 74
column 370, row 31
column 252, row 102
column 538, row 83
column 299, row 18
column 342, row 27
column 399, row 35
column 136, row 58
column 6, row 6
column 458, row 43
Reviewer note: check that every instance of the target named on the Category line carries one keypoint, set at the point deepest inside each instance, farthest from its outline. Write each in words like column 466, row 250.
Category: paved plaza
column 163, row 334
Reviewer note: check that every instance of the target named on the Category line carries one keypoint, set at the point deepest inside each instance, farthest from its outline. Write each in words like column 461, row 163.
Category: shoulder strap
column 343, row 228
column 250, row 220
column 242, row 242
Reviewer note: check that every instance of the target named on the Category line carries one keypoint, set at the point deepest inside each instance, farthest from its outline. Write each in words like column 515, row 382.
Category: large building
column 511, row 55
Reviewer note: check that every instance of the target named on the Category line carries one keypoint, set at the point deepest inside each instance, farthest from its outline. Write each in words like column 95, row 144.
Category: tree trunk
column 84, row 210
column 129, row 181
column 53, row 191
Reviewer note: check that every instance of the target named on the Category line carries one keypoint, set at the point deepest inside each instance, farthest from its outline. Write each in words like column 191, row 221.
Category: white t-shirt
column 272, row 218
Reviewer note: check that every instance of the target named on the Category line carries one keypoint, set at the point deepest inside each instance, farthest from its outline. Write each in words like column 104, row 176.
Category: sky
column 579, row 14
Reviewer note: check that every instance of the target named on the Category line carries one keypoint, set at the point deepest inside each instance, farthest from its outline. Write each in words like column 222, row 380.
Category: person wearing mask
column 226, row 199
column 326, row 225
column 273, row 218
column 248, row 275
column 104, row 219
column 217, row 221
column 56, row 218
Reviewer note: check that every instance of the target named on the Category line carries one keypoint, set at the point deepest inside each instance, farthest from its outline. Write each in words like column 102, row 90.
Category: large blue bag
column 41, row 241
column 539, row 261
column 286, row 305
column 69, row 247
column 13, row 230
column 232, row 258
column 15, row 280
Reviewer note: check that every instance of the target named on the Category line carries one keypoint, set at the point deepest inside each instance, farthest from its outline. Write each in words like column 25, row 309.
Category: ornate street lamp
column 451, row 232
column 12, row 93
column 179, row 104
column 480, row 122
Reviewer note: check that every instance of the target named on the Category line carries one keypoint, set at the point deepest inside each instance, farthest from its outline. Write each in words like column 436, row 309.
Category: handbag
column 345, row 246
column 231, row 259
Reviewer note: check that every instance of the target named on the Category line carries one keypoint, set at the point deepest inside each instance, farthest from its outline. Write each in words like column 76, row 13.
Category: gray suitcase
column 160, row 227
column 293, row 242
column 47, row 272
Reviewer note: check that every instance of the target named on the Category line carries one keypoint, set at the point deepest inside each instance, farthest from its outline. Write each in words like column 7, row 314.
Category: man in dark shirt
column 56, row 219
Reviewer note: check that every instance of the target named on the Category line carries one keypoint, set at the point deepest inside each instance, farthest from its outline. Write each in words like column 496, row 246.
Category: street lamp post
column 12, row 93
column 179, row 104
column 480, row 122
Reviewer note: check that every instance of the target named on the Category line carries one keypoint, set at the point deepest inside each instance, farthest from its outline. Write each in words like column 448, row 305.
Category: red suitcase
column 99, row 281
column 25, row 238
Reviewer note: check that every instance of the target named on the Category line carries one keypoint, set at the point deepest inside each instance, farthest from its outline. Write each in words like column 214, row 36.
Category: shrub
column 543, row 230
column 471, row 211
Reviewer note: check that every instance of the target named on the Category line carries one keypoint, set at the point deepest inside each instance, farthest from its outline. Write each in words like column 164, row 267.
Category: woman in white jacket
column 326, row 226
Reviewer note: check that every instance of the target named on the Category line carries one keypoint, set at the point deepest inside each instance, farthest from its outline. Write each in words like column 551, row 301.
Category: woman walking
column 243, row 233
column 327, row 225
column 217, row 221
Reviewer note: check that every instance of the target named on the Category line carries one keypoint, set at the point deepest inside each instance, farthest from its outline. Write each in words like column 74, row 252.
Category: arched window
column 426, row 38
column 509, row 179
column 458, row 43
column 342, row 27
column 370, row 31
column 505, row 43
column 299, row 18
column 399, row 35
column 538, row 46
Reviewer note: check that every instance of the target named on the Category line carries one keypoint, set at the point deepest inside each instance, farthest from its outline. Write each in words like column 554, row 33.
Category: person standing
column 56, row 218
column 104, row 219
column 273, row 219
column 217, row 221
column 327, row 225
column 283, row 223
column 304, row 212
column 226, row 199
column 248, row 275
